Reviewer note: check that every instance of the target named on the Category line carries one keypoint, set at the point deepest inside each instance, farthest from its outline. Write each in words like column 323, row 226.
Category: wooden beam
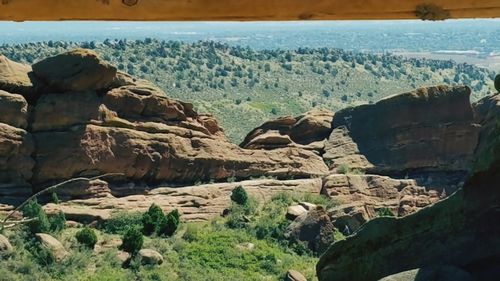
column 244, row 10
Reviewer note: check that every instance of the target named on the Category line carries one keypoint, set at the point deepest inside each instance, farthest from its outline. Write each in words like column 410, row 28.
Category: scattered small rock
column 293, row 275
column 149, row 256
column 73, row 224
column 246, row 246
column 308, row 206
column 122, row 256
column 294, row 211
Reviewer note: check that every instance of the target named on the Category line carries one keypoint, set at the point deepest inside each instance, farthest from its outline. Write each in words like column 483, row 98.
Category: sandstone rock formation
column 88, row 119
column 360, row 197
column 461, row 231
column 16, row 78
column 430, row 129
column 306, row 131
column 195, row 203
column 77, row 70
column 314, row 228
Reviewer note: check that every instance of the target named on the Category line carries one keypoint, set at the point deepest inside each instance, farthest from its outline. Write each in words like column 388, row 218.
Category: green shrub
column 239, row 195
column 57, row 222
column 54, row 198
column 169, row 223
column 151, row 220
column 41, row 254
column 385, row 212
column 86, row 237
column 120, row 222
column 132, row 240
column 33, row 210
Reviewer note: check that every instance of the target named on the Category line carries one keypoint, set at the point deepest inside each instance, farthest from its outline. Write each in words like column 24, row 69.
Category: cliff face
column 430, row 129
column 75, row 115
column 460, row 232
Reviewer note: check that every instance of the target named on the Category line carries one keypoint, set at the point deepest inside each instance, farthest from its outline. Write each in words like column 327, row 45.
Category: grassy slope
column 243, row 88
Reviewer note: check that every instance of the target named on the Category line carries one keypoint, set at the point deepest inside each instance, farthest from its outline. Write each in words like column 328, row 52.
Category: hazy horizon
column 410, row 35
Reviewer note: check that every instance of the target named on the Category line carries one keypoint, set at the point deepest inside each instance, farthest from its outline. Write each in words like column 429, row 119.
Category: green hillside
column 243, row 88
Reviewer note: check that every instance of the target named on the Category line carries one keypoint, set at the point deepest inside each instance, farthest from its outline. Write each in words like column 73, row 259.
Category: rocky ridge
column 74, row 115
column 454, row 237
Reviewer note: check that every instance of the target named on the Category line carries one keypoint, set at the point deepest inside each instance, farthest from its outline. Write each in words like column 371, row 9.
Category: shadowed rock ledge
column 461, row 232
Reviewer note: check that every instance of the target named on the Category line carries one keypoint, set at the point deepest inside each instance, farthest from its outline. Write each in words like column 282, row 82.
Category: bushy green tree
column 169, row 223
column 151, row 219
column 33, row 210
column 86, row 237
column 57, row 222
column 239, row 195
column 497, row 83
column 132, row 241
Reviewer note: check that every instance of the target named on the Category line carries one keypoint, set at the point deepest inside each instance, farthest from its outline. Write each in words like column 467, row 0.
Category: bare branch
column 50, row 188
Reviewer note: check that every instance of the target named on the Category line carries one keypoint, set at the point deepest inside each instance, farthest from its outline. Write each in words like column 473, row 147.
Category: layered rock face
column 461, row 232
column 308, row 131
column 84, row 119
column 362, row 197
column 94, row 200
column 16, row 147
column 430, row 129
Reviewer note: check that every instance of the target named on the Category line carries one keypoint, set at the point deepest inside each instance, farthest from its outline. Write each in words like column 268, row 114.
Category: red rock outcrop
column 461, row 232
column 16, row 78
column 76, row 70
column 430, row 129
column 360, row 198
column 195, row 203
column 307, row 131
column 88, row 119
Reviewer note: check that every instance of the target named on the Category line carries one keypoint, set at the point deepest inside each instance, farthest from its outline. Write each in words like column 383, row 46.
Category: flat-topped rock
column 76, row 70
column 16, row 77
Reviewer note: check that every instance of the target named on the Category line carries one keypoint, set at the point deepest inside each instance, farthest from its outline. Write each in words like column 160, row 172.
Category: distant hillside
column 243, row 88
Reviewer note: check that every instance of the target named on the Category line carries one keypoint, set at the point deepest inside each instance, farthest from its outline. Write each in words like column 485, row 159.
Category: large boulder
column 430, row 129
column 52, row 245
column 462, row 231
column 5, row 246
column 76, row 70
column 13, row 110
column 307, row 131
column 314, row 228
column 151, row 257
column 16, row 77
